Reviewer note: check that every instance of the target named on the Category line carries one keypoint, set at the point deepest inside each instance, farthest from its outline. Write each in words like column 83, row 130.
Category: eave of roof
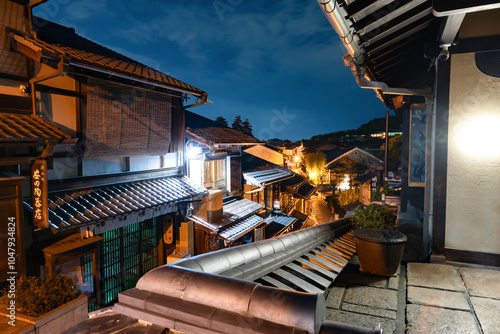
column 106, row 206
column 266, row 176
column 30, row 129
column 55, row 41
column 221, row 136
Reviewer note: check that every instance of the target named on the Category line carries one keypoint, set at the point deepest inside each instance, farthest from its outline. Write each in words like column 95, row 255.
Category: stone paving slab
column 482, row 282
column 393, row 283
column 439, row 298
column 488, row 313
column 375, row 311
column 351, row 275
column 367, row 321
column 437, row 276
column 335, row 296
column 433, row 320
column 374, row 297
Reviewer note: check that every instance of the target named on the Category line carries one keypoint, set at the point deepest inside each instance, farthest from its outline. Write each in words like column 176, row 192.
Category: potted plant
column 50, row 305
column 379, row 247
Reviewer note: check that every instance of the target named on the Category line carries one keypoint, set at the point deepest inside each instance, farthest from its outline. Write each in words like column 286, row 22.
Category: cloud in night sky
column 261, row 57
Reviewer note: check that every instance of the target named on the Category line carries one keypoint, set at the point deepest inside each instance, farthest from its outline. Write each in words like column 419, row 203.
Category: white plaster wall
column 473, row 189
column 267, row 154
column 59, row 109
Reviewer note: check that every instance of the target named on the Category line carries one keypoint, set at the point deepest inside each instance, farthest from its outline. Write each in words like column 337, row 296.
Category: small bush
column 333, row 202
column 35, row 297
column 374, row 216
column 348, row 196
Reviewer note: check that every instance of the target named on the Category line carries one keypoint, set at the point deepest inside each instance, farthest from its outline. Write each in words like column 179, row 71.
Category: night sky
column 277, row 63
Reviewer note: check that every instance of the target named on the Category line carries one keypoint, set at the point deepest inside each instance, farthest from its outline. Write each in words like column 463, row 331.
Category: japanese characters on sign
column 39, row 193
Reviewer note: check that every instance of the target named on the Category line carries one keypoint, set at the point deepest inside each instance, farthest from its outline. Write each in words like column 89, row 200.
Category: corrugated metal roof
column 29, row 128
column 144, row 199
column 278, row 223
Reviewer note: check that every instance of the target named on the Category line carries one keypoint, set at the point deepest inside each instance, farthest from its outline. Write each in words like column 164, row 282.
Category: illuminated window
column 214, row 172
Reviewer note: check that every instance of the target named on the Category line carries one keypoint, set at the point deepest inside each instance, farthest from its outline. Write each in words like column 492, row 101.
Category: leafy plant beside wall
column 35, row 297
column 374, row 216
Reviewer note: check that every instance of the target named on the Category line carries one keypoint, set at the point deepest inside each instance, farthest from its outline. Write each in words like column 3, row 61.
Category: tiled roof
column 220, row 136
column 277, row 223
column 240, row 208
column 294, row 182
column 29, row 128
column 240, row 228
column 142, row 199
column 266, row 176
column 83, row 51
column 298, row 186
column 306, row 190
column 238, row 218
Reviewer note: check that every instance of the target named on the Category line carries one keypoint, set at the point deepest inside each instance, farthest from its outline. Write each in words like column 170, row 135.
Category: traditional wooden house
column 91, row 158
column 269, row 153
column 344, row 164
column 213, row 160
column 435, row 63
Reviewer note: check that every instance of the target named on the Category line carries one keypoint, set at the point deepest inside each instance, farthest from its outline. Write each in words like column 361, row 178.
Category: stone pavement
column 320, row 211
column 423, row 298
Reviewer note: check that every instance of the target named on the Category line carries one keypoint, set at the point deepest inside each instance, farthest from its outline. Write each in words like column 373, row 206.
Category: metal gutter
column 203, row 95
column 336, row 18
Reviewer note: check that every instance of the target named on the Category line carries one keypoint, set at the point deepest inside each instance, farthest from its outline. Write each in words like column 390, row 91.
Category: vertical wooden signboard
column 39, row 193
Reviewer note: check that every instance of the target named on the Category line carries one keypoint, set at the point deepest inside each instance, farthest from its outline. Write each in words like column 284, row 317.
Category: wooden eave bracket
column 27, row 48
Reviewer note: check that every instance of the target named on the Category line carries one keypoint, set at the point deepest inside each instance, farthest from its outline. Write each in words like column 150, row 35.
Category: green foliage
column 242, row 126
column 374, row 216
column 35, row 297
column 394, row 154
column 373, row 126
column 376, row 195
column 347, row 197
column 333, row 202
column 222, row 121
column 315, row 165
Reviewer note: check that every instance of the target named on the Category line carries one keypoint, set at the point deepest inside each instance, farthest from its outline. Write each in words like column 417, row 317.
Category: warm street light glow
column 344, row 185
column 192, row 152
column 297, row 158
column 312, row 175
column 479, row 136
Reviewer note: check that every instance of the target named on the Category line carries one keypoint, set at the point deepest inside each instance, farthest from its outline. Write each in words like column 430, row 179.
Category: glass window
column 81, row 270
column 214, row 173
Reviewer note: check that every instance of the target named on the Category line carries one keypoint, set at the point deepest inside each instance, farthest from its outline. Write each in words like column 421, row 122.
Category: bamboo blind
column 122, row 121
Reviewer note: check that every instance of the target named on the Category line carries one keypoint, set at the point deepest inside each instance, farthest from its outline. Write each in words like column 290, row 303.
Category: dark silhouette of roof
column 195, row 121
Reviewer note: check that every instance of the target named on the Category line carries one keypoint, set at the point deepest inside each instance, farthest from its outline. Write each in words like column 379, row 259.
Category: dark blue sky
column 277, row 63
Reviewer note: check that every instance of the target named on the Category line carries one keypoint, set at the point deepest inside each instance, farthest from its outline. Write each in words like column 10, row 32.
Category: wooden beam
column 35, row 3
column 16, row 161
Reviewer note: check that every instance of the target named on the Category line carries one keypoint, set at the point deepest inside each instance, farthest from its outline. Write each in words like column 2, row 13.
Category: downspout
column 429, row 178
column 355, row 57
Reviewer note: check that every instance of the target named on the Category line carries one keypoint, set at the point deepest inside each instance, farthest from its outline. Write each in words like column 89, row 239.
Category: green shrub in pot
column 35, row 296
column 374, row 216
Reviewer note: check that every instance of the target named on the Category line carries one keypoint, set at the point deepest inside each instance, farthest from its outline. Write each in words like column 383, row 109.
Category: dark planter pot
column 379, row 250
